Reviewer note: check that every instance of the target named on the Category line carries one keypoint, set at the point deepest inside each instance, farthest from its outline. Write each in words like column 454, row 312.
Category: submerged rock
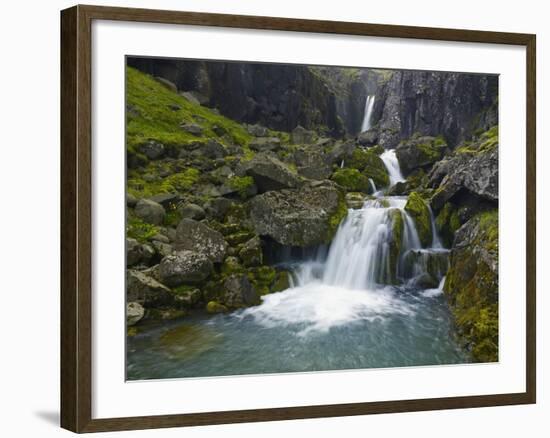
column 301, row 217
column 198, row 237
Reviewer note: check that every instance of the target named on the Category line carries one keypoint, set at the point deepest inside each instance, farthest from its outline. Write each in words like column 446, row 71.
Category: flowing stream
column 375, row 300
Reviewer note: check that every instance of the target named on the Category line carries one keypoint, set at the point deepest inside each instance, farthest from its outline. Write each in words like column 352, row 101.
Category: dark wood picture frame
column 76, row 225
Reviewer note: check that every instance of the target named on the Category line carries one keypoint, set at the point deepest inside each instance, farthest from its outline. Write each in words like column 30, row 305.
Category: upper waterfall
column 392, row 164
column 367, row 116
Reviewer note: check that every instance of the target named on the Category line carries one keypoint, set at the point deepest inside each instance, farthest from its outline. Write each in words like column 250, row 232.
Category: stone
column 191, row 128
column 218, row 207
column 312, row 163
column 192, row 211
column 251, row 252
column 150, row 211
column 196, row 236
column 145, row 290
column 257, row 130
column 300, row 135
column 131, row 200
column 184, row 267
column 238, row 292
column 368, row 138
column 215, row 307
column 262, row 144
column 168, row 84
column 270, row 174
column 134, row 313
column 418, row 209
column 355, row 200
column 419, row 152
column 152, row 149
column 299, row 217
column 212, row 149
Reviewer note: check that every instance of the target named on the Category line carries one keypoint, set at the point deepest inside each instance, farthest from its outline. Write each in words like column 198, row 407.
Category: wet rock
column 184, row 267
column 418, row 209
column 355, row 200
column 215, row 307
column 301, row 217
column 134, row 313
column 238, row 292
column 419, row 152
column 196, row 236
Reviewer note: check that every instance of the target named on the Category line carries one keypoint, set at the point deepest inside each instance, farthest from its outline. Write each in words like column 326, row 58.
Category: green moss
column 239, row 237
column 352, row 180
column 472, row 288
column 281, row 282
column 395, row 243
column 231, row 266
column 370, row 165
column 215, row 307
column 242, row 184
column 262, row 278
column 337, row 218
column 139, row 230
column 417, row 208
column 183, row 289
column 175, row 183
column 447, row 223
column 153, row 118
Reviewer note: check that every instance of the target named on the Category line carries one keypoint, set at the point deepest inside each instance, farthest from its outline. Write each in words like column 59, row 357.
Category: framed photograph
column 268, row 219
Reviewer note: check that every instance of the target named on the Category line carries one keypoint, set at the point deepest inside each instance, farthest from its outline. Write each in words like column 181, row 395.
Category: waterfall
column 392, row 165
column 367, row 116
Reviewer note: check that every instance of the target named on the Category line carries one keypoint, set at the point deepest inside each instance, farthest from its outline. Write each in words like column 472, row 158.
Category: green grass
column 139, row 230
column 152, row 118
column 177, row 182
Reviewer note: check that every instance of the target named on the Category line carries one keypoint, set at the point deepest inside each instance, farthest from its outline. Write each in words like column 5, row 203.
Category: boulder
column 418, row 209
column 355, row 200
column 341, row 151
column 217, row 208
column 251, row 252
column 368, row 138
column 419, row 152
column 145, row 290
column 300, row 135
column 262, row 144
column 270, row 174
column 312, row 163
column 299, row 217
column 131, row 200
column 150, row 211
column 166, row 199
column 477, row 173
column 152, row 149
column 192, row 211
column 352, row 180
column 370, row 165
column 215, row 307
column 212, row 149
column 184, row 267
column 196, row 236
column 471, row 285
column 134, row 313
column 137, row 253
column 238, row 292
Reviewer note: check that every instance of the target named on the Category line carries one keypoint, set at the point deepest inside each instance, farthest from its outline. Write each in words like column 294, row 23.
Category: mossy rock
column 281, row 282
column 370, row 165
column 352, row 180
column 447, row 223
column 419, row 211
column 262, row 278
column 231, row 265
column 239, row 237
column 472, row 285
column 165, row 314
column 396, row 242
column 214, row 307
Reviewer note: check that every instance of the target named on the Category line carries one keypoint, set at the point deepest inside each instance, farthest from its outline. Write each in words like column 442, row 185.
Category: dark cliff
column 454, row 105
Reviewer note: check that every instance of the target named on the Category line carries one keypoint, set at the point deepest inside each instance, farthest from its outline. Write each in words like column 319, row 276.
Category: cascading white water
column 392, row 165
column 353, row 281
column 367, row 115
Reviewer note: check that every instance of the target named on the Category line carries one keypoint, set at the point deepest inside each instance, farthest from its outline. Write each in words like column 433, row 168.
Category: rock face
column 198, row 237
column 145, row 290
column 150, row 211
column 472, row 285
column 184, row 267
column 302, row 217
column 475, row 171
column 419, row 152
column 453, row 105
column 269, row 173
